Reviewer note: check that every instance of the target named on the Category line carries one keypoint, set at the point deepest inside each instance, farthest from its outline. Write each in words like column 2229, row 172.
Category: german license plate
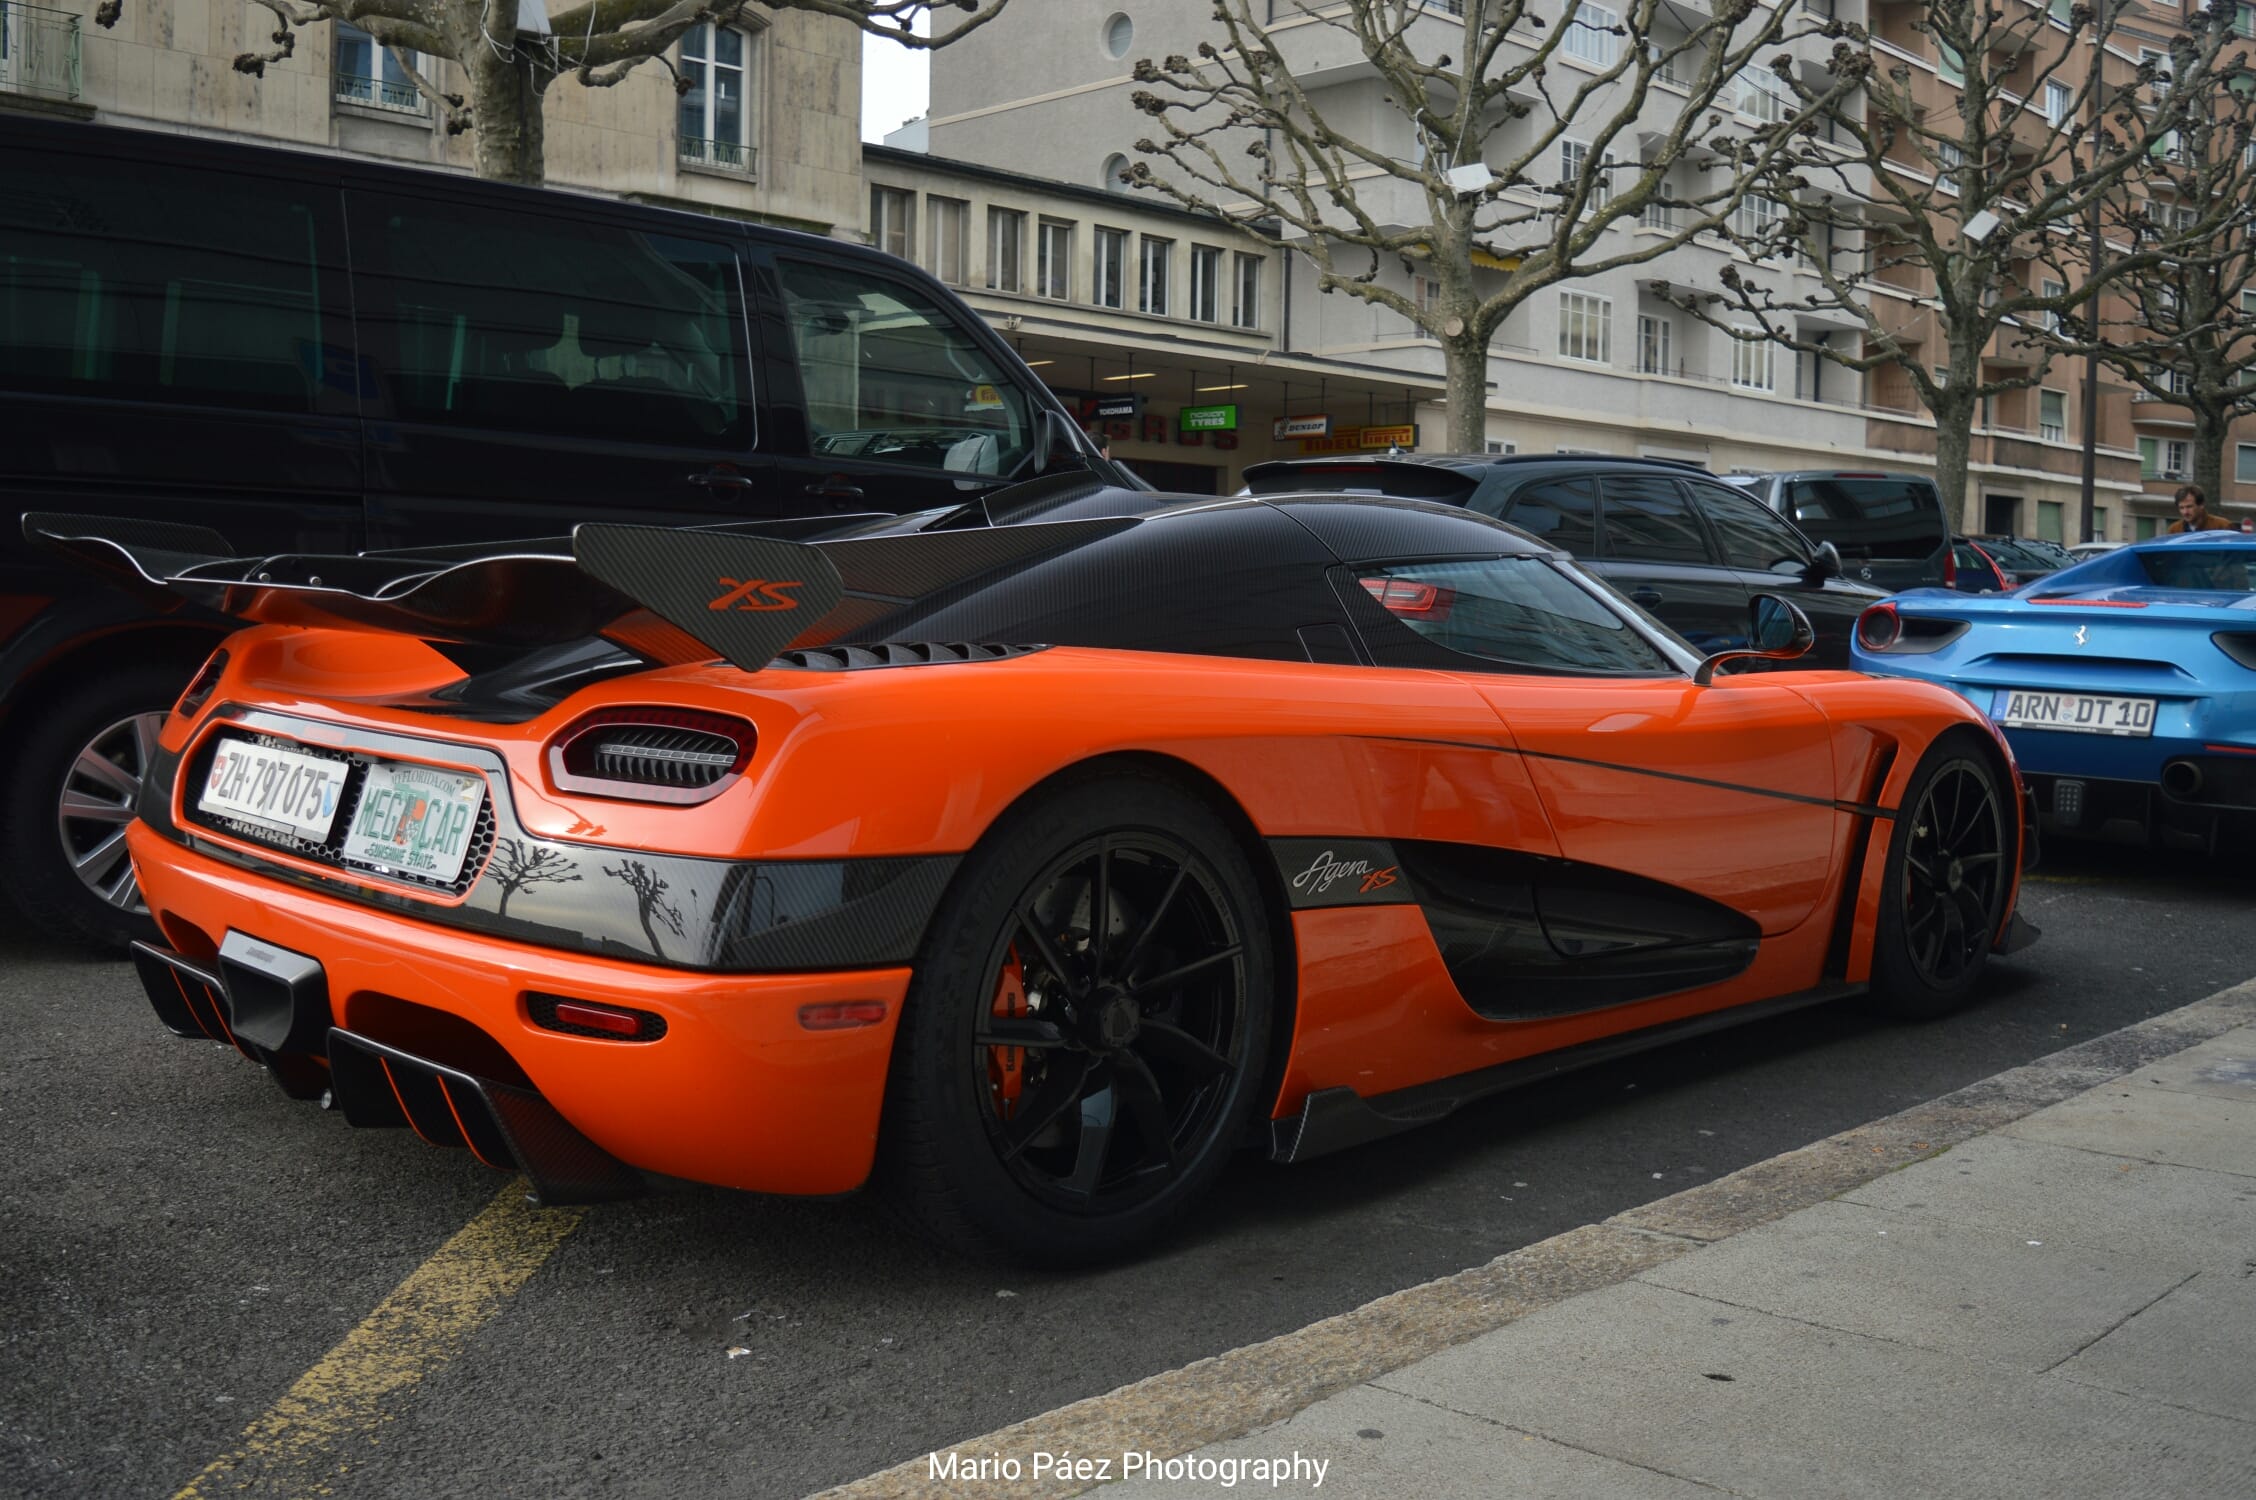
column 286, row 790
column 415, row 820
column 2082, row 713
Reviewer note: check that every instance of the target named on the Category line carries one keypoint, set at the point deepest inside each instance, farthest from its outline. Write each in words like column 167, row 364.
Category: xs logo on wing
column 755, row 593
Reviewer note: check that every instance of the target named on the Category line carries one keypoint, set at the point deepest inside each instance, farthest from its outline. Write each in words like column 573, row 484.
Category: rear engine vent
column 651, row 754
column 894, row 654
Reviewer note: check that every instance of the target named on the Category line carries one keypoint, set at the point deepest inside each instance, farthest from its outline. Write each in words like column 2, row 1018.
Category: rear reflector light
column 841, row 1015
column 200, row 690
column 591, row 1019
column 1411, row 599
column 651, row 754
column 1879, row 627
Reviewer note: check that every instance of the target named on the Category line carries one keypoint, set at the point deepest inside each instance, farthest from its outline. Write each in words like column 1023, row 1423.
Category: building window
column 2048, row 520
column 1053, row 267
column 949, row 221
column 2059, row 99
column 2160, row 63
column 1586, row 327
column 1754, row 364
column 1949, row 157
column 715, row 115
column 1949, row 66
column 1653, row 338
column 891, row 210
column 1245, row 307
column 1113, row 175
column 1425, row 292
column 2160, row 459
column 2244, row 463
column 2052, row 416
column 1206, row 283
column 1755, row 218
column 2050, row 288
column 1757, row 94
column 1151, row 274
column 1499, row 446
column 1006, row 250
column 2244, row 19
column 1591, row 38
column 1111, row 271
column 367, row 73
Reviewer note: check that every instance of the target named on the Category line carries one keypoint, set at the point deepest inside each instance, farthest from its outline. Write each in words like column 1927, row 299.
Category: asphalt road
column 179, row 1243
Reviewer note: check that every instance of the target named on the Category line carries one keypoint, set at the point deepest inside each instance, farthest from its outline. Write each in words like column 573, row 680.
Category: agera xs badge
column 755, row 593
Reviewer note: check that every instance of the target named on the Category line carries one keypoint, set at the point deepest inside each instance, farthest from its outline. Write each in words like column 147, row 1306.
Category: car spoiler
column 672, row 594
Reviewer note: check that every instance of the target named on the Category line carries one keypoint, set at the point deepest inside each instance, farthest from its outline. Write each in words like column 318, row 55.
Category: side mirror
column 1827, row 563
column 1060, row 443
column 1776, row 631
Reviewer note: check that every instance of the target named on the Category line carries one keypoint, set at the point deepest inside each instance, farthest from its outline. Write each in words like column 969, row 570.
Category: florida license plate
column 415, row 820
column 2082, row 713
column 285, row 790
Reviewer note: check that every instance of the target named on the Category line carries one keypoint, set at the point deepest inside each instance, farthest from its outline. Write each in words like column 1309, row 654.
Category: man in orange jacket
column 2193, row 513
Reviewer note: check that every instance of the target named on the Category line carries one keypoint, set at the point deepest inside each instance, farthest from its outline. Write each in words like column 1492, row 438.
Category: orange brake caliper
column 1006, row 1066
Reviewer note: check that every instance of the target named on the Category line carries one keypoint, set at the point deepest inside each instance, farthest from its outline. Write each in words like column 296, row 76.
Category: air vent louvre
column 859, row 658
column 651, row 754
column 658, row 756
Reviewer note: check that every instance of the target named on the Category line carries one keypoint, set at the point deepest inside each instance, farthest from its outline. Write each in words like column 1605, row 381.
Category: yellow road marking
column 298, row 1446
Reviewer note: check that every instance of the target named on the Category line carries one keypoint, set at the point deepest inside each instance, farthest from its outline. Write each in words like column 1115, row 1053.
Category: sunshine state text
column 1223, row 1473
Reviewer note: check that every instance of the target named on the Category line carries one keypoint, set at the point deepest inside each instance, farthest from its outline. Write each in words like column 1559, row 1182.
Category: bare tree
column 518, row 863
column 1964, row 194
column 2183, row 329
column 508, row 72
column 1471, row 175
column 651, row 905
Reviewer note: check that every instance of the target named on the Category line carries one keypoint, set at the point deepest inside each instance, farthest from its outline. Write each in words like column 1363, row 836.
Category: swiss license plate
column 2083, row 713
column 285, row 790
column 415, row 820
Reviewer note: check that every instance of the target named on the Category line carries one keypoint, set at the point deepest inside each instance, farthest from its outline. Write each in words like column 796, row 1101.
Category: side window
column 1512, row 613
column 1647, row 517
column 1752, row 535
column 150, row 283
column 503, row 320
column 889, row 375
column 1563, row 512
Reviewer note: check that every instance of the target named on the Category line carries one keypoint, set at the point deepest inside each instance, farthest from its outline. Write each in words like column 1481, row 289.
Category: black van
column 1888, row 528
column 308, row 353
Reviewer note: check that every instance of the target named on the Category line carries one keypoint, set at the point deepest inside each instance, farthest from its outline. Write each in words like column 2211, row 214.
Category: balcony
column 720, row 156
column 378, row 93
column 38, row 52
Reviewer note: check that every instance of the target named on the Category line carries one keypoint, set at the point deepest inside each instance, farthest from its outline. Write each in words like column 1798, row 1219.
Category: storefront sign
column 1113, row 408
column 1404, row 436
column 1363, row 439
column 1302, row 427
column 1209, row 419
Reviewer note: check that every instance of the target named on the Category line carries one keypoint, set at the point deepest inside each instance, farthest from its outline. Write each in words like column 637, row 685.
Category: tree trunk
column 1467, row 354
column 505, row 108
column 2209, row 431
column 1954, row 441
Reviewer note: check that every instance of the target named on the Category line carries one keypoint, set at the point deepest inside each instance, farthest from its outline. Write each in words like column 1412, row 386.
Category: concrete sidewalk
column 2044, row 1284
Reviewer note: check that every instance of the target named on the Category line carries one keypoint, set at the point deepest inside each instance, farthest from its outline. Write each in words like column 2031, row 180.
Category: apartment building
column 1607, row 364
column 769, row 127
column 1167, row 330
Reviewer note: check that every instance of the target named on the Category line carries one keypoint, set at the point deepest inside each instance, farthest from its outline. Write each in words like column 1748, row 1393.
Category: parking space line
column 300, row 1444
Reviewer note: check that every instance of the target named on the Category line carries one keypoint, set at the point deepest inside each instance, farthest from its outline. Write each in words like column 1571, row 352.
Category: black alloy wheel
column 1949, row 870
column 1084, row 1049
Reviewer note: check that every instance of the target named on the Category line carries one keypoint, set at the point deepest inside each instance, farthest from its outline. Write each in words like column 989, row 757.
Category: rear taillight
column 1410, row 599
column 651, row 754
column 1950, row 567
column 591, row 1018
column 1879, row 627
column 200, row 689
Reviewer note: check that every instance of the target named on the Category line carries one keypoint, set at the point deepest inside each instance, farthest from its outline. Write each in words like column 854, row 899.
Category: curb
column 1228, row 1395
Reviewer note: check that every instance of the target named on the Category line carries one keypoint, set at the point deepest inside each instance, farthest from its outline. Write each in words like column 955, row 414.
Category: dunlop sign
column 1302, row 427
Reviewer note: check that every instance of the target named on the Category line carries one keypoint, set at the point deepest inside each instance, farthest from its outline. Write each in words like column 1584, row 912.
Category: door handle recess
column 836, row 487
column 721, row 479
column 1645, row 598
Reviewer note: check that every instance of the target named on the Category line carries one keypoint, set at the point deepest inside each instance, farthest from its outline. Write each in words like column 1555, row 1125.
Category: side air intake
column 651, row 754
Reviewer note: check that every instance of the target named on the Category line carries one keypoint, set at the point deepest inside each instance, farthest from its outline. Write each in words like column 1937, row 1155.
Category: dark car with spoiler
column 1027, row 870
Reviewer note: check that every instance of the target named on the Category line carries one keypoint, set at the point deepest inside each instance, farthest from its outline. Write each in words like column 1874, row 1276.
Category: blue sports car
column 2126, row 684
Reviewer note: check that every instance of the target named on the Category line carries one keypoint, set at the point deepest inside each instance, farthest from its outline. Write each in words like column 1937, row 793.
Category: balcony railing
column 729, row 156
column 379, row 93
column 38, row 51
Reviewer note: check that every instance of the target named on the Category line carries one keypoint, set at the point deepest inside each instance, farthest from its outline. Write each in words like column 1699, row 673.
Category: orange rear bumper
column 736, row 1093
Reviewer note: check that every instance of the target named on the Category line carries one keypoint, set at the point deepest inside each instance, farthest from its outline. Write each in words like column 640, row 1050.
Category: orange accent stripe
column 448, row 1095
column 386, row 1064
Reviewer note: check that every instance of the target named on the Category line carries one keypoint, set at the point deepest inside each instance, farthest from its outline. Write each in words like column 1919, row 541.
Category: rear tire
column 1136, row 1044
column 1950, row 867
column 71, row 794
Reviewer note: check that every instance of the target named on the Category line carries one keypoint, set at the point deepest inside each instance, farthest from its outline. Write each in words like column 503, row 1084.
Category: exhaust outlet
column 2182, row 779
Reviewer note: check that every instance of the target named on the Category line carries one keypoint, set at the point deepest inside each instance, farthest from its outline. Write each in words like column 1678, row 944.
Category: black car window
column 1512, row 612
column 1647, row 517
column 502, row 319
column 1752, row 535
column 889, row 375
column 2231, row 569
column 1563, row 512
column 1870, row 516
column 142, row 282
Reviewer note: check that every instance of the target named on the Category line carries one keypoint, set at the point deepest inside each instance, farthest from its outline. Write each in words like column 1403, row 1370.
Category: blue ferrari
column 2126, row 684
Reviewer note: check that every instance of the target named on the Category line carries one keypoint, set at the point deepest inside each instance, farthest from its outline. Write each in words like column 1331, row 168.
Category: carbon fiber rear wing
column 670, row 593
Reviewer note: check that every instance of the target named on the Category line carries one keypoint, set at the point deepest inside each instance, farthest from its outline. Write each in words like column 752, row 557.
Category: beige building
column 770, row 129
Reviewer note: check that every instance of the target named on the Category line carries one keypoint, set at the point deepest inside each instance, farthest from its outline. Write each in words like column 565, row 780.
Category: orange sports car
column 1028, row 870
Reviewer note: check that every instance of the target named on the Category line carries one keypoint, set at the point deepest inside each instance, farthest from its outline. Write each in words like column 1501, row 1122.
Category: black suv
column 1888, row 528
column 1688, row 548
